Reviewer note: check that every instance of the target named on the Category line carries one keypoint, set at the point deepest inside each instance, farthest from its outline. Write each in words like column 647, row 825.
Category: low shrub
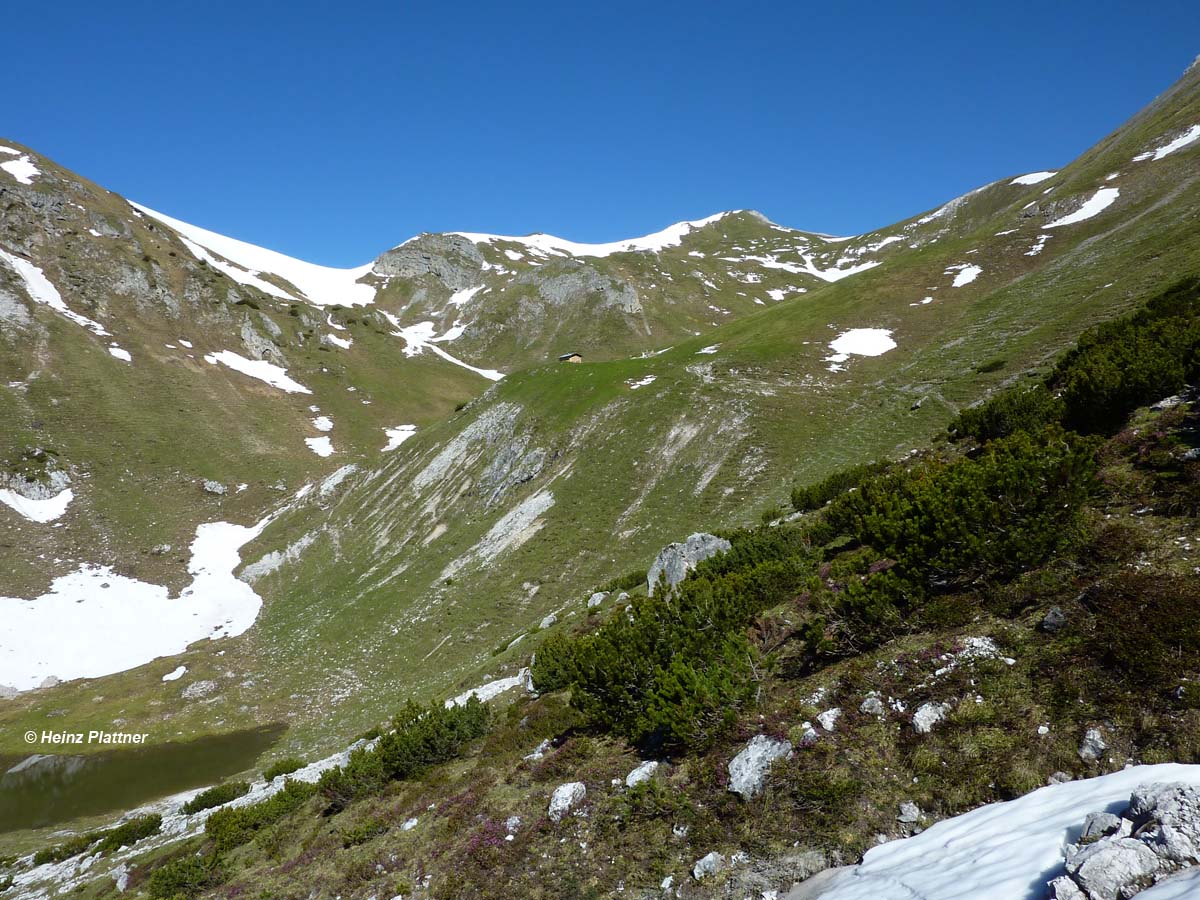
column 285, row 766
column 216, row 796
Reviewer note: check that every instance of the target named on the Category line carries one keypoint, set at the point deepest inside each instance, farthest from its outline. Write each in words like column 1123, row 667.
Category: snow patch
column 320, row 285
column 94, row 622
column 120, row 354
column 650, row 243
column 859, row 342
column 1003, row 850
column 1096, row 204
column 322, row 446
column 21, row 168
column 323, row 423
column 1033, row 178
column 642, row 382
column 1188, row 137
column 42, row 290
column 420, row 337
column 460, row 298
column 398, row 435
column 264, row 371
column 40, row 511
column 175, row 675
column 966, row 274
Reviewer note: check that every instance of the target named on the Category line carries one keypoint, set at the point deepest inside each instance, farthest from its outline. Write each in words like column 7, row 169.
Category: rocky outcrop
column 1118, row 856
column 450, row 258
column 576, row 283
column 675, row 560
column 644, row 772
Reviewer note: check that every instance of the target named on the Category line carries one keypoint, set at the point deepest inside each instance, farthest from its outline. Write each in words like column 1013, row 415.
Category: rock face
column 1121, row 855
column 748, row 770
column 675, row 560
column 565, row 798
column 578, row 282
column 452, row 259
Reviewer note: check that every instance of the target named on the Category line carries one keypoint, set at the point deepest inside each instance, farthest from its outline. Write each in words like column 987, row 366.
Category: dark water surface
column 42, row 789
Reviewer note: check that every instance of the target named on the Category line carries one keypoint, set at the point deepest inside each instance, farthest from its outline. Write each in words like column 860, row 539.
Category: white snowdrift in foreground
column 1003, row 851
column 42, row 290
column 548, row 243
column 398, row 435
column 320, row 285
column 38, row 510
column 422, row 337
column 94, row 622
column 1096, row 204
column 1033, row 178
column 859, row 342
column 486, row 692
column 175, row 674
column 257, row 368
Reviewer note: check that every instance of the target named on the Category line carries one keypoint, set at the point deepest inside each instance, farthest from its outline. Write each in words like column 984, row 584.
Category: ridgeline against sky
column 331, row 133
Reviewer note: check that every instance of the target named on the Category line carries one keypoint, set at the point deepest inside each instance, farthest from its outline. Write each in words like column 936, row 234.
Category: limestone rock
column 1093, row 745
column 928, row 715
column 644, row 772
column 748, row 770
column 675, row 560
column 709, row 864
column 1054, row 621
column 596, row 599
column 910, row 813
column 1105, row 870
column 214, row 487
column 565, row 798
column 1168, row 820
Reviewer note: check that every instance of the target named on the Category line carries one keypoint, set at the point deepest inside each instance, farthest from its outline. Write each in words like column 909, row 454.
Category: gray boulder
column 1168, row 821
column 1063, row 888
column 910, row 813
column 1107, row 869
column 214, row 487
column 675, row 560
column 1054, row 621
column 748, row 770
column 596, row 599
column 1100, row 824
column 709, row 864
column 1093, row 745
column 565, row 798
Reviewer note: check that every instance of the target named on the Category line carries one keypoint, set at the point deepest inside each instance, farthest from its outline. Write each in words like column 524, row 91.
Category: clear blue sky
column 332, row 131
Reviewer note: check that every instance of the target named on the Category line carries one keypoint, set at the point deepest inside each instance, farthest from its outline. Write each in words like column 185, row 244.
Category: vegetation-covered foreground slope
column 1012, row 606
column 416, row 572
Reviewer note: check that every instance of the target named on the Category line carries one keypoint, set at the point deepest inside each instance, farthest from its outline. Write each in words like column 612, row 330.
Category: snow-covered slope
column 671, row 236
column 320, row 285
column 1003, row 851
